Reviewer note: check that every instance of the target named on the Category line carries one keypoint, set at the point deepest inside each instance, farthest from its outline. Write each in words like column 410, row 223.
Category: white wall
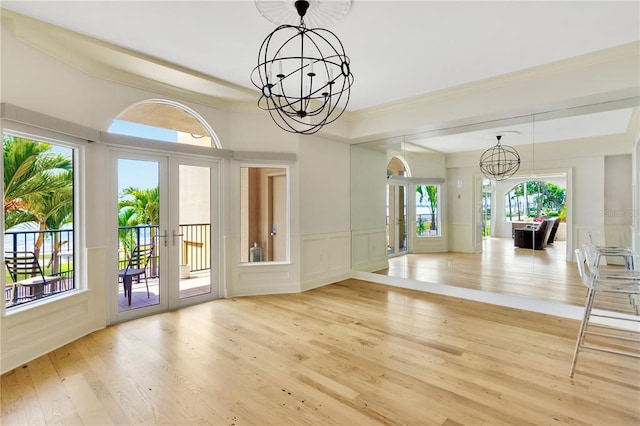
column 368, row 209
column 585, row 161
column 35, row 81
column 618, row 202
column 47, row 86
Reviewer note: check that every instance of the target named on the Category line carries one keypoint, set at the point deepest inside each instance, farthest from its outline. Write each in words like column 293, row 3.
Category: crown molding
column 617, row 53
column 108, row 62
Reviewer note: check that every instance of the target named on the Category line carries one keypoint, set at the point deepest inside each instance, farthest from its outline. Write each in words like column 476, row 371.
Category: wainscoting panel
column 325, row 259
column 619, row 236
column 30, row 331
column 369, row 250
column 248, row 279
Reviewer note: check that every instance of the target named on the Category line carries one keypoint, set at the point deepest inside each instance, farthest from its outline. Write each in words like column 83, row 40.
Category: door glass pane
column 194, row 234
column 138, row 219
column 402, row 218
column 391, row 219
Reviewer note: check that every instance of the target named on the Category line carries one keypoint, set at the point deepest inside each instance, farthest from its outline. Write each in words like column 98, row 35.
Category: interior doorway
column 278, row 216
column 396, row 219
column 397, row 215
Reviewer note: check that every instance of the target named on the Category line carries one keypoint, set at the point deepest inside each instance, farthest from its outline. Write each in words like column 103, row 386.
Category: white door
column 396, row 219
column 477, row 214
column 192, row 231
column 169, row 207
column 278, row 211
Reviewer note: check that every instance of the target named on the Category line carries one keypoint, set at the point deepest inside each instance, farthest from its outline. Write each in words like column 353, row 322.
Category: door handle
column 173, row 232
column 164, row 236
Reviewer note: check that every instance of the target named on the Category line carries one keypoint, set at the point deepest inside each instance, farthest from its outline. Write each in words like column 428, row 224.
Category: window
column 428, row 210
column 39, row 219
column 534, row 199
column 166, row 121
column 263, row 214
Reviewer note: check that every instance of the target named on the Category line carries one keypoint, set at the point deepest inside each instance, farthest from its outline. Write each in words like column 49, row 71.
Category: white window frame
column 77, row 146
column 438, row 210
column 268, row 165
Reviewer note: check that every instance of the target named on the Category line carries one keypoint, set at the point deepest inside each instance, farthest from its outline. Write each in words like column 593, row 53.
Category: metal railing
column 195, row 247
column 54, row 250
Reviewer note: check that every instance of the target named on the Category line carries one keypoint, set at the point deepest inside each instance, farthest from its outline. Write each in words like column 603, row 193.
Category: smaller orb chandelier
column 500, row 162
column 304, row 76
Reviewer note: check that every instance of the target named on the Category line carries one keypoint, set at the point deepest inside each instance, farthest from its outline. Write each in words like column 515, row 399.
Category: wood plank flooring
column 351, row 353
column 505, row 269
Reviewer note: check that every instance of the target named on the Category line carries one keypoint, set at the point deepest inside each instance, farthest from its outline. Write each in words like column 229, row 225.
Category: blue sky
column 138, row 173
column 143, row 131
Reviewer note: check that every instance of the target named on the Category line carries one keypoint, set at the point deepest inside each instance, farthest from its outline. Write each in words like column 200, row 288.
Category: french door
column 396, row 219
column 164, row 233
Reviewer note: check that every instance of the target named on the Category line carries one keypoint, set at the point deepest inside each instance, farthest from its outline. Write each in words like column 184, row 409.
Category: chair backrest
column 22, row 264
column 589, row 254
column 580, row 261
column 547, row 231
column 540, row 234
column 140, row 257
column 554, row 230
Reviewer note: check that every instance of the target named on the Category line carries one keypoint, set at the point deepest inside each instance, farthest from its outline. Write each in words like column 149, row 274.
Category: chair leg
column 583, row 327
column 146, row 280
column 633, row 299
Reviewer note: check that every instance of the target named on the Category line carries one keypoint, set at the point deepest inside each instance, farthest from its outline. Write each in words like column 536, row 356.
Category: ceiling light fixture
column 499, row 162
column 304, row 76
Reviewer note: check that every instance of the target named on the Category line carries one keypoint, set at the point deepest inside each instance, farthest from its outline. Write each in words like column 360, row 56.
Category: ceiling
column 398, row 49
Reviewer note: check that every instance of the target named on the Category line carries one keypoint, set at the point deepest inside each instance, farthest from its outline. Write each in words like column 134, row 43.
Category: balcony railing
column 195, row 247
column 54, row 250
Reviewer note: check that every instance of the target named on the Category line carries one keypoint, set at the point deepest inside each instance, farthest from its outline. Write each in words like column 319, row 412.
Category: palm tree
column 28, row 168
column 139, row 207
column 145, row 204
column 60, row 207
column 430, row 192
column 38, row 188
column 124, row 218
column 50, row 210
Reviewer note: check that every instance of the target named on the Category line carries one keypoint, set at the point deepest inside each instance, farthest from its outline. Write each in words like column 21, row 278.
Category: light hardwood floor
column 505, row 269
column 351, row 353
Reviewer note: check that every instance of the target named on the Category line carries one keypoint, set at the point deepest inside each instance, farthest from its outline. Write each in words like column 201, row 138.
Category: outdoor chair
column 554, row 231
column 136, row 268
column 26, row 273
column 624, row 282
column 533, row 237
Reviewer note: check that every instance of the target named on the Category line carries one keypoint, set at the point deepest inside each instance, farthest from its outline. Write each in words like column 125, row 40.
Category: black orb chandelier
column 304, row 76
column 499, row 162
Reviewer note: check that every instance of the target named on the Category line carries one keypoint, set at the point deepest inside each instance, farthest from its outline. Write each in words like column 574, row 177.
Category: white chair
column 593, row 263
column 625, row 281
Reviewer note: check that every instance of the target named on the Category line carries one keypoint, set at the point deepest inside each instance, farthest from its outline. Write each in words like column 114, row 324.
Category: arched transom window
column 167, row 121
